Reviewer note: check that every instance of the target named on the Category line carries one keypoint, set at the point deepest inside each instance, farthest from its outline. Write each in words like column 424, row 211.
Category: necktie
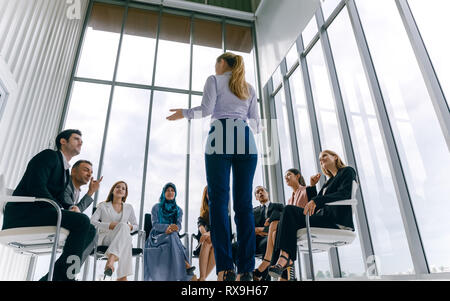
column 265, row 211
column 67, row 177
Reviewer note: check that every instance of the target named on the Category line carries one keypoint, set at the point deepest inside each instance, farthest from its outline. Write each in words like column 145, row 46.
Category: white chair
column 314, row 240
column 33, row 241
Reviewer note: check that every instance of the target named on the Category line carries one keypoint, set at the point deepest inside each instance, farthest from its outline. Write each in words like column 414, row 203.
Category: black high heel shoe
column 277, row 270
column 190, row 271
column 229, row 275
column 107, row 273
column 258, row 275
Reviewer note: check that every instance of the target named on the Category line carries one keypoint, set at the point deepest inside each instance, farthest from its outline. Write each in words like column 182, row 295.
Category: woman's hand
column 206, row 237
column 315, row 179
column 309, row 208
column 176, row 116
column 172, row 228
column 112, row 225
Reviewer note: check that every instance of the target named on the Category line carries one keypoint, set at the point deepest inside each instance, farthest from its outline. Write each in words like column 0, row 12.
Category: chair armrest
column 343, row 203
column 183, row 235
column 25, row 199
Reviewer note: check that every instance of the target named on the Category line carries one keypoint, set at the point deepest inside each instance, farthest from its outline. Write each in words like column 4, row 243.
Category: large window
column 117, row 113
column 138, row 47
column 422, row 148
column 101, row 43
column 386, row 226
column 419, row 146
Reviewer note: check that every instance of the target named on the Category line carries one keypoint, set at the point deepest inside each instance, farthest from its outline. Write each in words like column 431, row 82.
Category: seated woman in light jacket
column 115, row 220
column 165, row 257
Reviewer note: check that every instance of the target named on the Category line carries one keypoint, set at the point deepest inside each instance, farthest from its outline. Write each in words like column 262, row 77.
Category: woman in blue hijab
column 165, row 257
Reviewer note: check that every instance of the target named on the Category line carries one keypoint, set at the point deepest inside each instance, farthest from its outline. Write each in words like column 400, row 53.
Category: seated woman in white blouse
column 115, row 220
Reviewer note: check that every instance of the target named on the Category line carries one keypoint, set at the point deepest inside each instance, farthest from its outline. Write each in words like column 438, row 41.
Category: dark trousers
column 218, row 167
column 291, row 221
column 79, row 242
column 260, row 247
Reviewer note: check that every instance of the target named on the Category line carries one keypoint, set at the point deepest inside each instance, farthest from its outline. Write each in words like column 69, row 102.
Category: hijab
column 168, row 209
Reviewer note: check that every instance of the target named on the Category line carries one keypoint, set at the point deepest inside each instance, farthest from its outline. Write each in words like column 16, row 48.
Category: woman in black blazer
column 338, row 187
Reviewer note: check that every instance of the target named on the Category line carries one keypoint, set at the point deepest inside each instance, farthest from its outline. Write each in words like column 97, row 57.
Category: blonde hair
column 237, row 84
column 111, row 196
column 204, row 209
column 339, row 163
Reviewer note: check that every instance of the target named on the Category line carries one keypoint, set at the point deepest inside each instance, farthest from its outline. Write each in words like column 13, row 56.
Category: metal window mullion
column 310, row 102
column 74, row 68
column 333, row 257
column 149, row 121
column 314, row 125
column 366, row 241
column 188, row 151
column 147, row 139
column 111, row 97
column 275, row 169
column 426, row 66
column 290, row 112
column 261, row 106
column 401, row 188
column 31, row 268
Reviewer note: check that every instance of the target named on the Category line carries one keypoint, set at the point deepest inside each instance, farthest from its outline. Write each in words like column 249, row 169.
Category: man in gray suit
column 81, row 175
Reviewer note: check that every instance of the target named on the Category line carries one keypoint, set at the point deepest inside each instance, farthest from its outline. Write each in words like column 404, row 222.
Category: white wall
column 38, row 43
column 278, row 24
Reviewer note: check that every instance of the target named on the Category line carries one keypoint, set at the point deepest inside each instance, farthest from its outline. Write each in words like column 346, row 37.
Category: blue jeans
column 242, row 159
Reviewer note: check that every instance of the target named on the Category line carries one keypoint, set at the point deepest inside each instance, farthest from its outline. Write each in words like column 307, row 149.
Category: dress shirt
column 221, row 103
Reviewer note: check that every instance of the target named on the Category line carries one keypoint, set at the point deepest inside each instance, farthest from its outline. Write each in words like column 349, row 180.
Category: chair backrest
column 147, row 224
column 354, row 189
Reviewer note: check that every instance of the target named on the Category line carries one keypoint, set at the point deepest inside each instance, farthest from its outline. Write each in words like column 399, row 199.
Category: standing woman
column 116, row 220
column 230, row 146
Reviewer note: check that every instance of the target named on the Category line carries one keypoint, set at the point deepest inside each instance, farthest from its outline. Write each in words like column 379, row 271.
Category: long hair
column 339, row 163
column 204, row 209
column 237, row 84
column 295, row 171
column 111, row 196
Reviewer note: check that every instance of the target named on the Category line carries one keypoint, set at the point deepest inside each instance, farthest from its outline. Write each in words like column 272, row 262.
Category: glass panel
column 330, row 134
column 138, row 47
column 207, row 47
column 239, row 40
column 421, row 145
column 277, row 78
column 292, row 57
column 101, row 42
column 431, row 17
column 388, row 234
column 322, row 266
column 303, row 126
column 174, row 52
column 328, row 6
column 87, row 112
column 310, row 31
column 284, row 139
column 167, row 151
column 125, row 147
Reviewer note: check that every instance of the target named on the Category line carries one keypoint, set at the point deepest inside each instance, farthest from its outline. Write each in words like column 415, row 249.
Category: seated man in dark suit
column 81, row 174
column 46, row 176
column 266, row 216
